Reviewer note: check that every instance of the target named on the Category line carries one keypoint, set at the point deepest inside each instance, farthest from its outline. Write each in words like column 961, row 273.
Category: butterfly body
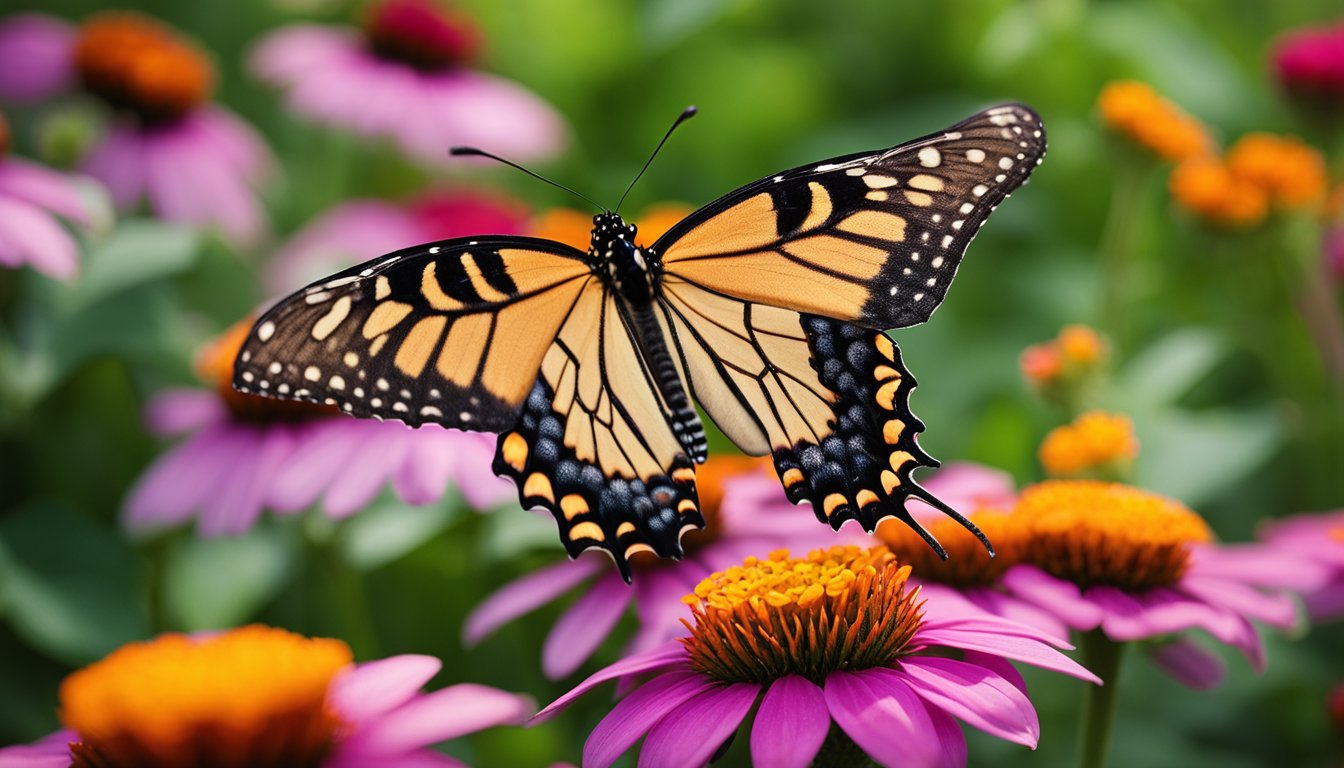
column 767, row 307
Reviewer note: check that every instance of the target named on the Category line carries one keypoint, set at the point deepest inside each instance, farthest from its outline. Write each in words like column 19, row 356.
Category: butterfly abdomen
column 683, row 419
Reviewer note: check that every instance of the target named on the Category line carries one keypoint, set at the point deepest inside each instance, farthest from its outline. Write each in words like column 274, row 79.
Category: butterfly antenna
column 686, row 114
column 473, row 151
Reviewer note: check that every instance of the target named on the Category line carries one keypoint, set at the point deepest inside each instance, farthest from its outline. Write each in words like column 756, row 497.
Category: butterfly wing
column 594, row 446
column 873, row 238
column 451, row 332
column 828, row 400
column 777, row 296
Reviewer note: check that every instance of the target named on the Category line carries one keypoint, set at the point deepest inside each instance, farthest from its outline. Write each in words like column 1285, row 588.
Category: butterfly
column 768, row 308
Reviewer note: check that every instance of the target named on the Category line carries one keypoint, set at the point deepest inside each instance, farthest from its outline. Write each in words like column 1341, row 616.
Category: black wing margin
column 872, row 238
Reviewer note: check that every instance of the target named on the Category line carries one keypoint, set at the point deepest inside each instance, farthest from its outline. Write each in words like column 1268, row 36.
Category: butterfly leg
column 862, row 470
column 622, row 516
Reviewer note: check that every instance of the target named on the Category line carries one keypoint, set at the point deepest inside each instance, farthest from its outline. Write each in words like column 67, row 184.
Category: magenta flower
column 745, row 511
column 1333, row 246
column 1137, row 566
column 257, row 693
column 358, row 230
column 31, row 197
column 243, row 454
column 835, row 637
column 1314, row 543
column 404, row 75
column 1310, row 62
column 193, row 161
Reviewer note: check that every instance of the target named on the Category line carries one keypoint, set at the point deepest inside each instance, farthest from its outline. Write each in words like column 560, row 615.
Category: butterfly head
column 627, row 266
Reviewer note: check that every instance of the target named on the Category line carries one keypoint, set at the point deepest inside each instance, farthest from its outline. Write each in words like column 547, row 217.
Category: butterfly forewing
column 872, row 238
column 450, row 333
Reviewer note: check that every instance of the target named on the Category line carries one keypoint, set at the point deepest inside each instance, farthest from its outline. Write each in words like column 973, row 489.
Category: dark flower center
column 417, row 33
column 135, row 63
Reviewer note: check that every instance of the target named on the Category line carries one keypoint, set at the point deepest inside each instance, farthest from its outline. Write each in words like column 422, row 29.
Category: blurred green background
column 1232, row 408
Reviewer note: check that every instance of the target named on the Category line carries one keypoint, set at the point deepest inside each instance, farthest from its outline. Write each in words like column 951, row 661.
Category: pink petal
column 975, row 694
column 1189, row 663
column 950, row 737
column 669, row 654
column 791, row 724
column 634, row 715
column 175, row 411
column 236, row 506
column 29, row 235
column 51, row 751
column 118, row 162
column 1000, row 665
column 1325, row 604
column 290, row 51
column 966, row 487
column 525, row 594
column 1016, row 609
column 473, row 475
column 691, row 733
column 324, row 451
column 367, row 691
column 340, row 237
column 371, row 464
column 439, row 716
column 424, row 473
column 1020, row 649
column 483, row 110
column 884, row 717
column 56, row 192
column 1059, row 597
column 658, row 603
column 997, row 625
column 1258, row 564
column 178, row 482
column 1277, row 610
column 585, row 625
column 36, row 57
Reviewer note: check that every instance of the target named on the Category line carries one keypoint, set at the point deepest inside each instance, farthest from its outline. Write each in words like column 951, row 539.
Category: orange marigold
column 1136, row 111
column 1208, row 188
column 1292, row 172
column 1095, row 444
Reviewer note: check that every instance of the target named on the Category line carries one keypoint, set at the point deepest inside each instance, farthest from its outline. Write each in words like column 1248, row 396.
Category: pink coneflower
column 245, row 453
column 1129, row 565
column 745, row 511
column 834, row 637
column 358, row 230
column 405, row 75
column 260, row 698
column 1310, row 62
column 1314, row 540
column 31, row 197
column 194, row 161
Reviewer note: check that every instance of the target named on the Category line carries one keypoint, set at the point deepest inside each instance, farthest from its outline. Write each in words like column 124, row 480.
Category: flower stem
column 1101, row 655
column 840, row 751
column 1117, row 249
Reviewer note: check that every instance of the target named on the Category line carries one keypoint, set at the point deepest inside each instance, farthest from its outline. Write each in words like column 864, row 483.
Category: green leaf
column 389, row 529
column 1196, row 456
column 1169, row 368
column 137, row 252
column 221, row 582
column 68, row 585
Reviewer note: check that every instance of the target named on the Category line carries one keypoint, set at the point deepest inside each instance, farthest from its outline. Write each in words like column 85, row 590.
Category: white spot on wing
column 265, row 331
column 930, row 157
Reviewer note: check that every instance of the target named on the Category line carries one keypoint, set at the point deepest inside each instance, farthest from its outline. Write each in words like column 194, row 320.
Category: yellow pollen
column 1096, row 533
column 214, row 365
column 1136, row 111
column 254, row 696
column 967, row 563
column 843, row 608
column 1096, row 443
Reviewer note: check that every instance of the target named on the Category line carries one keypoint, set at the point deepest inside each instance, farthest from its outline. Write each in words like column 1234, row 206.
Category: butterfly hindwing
column 872, row 238
column 450, row 333
column 593, row 444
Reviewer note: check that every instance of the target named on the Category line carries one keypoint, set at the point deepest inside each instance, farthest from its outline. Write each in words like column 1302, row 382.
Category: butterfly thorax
column 631, row 270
